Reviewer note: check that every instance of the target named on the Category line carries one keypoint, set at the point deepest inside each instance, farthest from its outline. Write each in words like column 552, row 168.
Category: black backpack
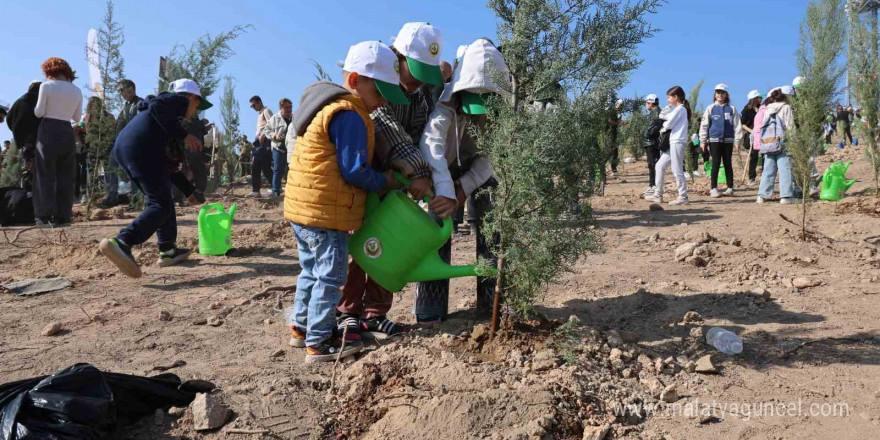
column 16, row 207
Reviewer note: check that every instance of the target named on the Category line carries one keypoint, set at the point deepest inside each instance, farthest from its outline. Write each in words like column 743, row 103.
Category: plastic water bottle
column 725, row 341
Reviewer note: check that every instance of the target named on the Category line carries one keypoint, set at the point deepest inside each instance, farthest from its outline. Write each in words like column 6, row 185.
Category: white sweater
column 59, row 100
column 677, row 124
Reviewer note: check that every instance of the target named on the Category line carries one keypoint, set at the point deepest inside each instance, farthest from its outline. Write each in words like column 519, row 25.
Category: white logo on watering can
column 372, row 247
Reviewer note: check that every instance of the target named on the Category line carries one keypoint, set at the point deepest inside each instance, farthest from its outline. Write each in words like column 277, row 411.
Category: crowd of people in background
column 399, row 109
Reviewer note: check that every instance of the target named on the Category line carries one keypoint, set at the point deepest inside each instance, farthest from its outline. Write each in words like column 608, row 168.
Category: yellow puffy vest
column 316, row 194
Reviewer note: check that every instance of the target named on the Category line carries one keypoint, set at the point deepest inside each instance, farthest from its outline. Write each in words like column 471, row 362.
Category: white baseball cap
column 796, row 82
column 421, row 44
column 754, row 94
column 460, row 52
column 787, row 90
column 375, row 60
column 189, row 86
column 651, row 98
column 721, row 86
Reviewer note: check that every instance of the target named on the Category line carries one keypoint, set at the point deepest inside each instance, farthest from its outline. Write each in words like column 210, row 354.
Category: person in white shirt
column 59, row 102
column 675, row 129
column 261, row 154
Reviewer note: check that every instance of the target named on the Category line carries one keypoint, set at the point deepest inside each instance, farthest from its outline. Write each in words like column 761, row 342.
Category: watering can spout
column 432, row 268
column 849, row 184
column 232, row 212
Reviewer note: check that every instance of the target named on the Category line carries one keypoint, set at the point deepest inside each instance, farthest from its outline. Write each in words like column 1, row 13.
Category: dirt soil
column 612, row 353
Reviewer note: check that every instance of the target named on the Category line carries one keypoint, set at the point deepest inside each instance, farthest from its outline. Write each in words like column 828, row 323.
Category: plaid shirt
column 398, row 127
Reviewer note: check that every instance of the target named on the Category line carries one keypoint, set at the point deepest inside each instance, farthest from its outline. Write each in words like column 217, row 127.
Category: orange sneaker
column 297, row 337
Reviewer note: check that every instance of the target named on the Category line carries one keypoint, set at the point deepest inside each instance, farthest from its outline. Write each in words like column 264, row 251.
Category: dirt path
column 816, row 345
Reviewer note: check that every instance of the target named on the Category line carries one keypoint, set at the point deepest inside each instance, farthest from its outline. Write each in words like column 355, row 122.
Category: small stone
column 99, row 318
column 803, row 282
column 618, row 364
column 684, row 251
column 697, row 333
column 654, row 385
column 707, row 419
column 690, row 366
column 112, row 303
column 268, row 321
column 480, row 333
column 626, row 373
column 208, row 412
column 277, row 353
column 266, row 390
column 52, row 329
column 616, row 353
column 655, row 207
column 165, row 315
column 704, row 251
column 669, row 394
column 200, row 321
column 596, row 432
column 697, row 261
column 176, row 411
column 735, row 241
column 215, row 305
column 654, row 238
column 704, row 365
column 691, row 317
column 215, row 321
column 614, row 339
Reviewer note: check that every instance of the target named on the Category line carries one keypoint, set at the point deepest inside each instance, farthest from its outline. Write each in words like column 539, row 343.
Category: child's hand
column 392, row 182
column 443, row 207
column 420, row 188
column 193, row 143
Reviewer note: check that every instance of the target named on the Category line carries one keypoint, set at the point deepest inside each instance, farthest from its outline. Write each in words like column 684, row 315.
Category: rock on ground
column 52, row 329
column 705, row 366
column 803, row 282
column 669, row 394
column 596, row 432
column 208, row 412
column 684, row 251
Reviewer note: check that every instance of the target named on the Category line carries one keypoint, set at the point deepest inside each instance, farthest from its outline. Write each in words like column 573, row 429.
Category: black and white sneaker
column 381, row 324
column 44, row 223
column 329, row 350
column 120, row 255
column 172, row 257
column 352, row 323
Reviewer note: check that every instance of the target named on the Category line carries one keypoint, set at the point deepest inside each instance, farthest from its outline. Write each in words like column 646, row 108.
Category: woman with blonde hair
column 59, row 102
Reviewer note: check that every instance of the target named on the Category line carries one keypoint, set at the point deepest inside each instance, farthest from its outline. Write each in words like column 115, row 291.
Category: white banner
column 95, row 82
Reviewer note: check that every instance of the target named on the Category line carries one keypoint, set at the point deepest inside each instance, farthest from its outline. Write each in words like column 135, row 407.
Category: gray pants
column 55, row 181
column 432, row 297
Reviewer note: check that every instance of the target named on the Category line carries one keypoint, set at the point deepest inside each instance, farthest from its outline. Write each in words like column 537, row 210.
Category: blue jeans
column 111, row 179
column 323, row 257
column 279, row 169
column 158, row 216
column 774, row 163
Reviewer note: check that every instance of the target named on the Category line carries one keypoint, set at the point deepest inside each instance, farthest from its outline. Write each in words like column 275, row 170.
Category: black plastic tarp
column 82, row 402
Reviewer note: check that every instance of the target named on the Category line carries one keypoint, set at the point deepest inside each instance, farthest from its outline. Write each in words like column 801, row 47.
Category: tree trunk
column 496, row 302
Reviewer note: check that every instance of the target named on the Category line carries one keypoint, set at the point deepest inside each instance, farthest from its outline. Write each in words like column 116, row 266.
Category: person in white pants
column 676, row 125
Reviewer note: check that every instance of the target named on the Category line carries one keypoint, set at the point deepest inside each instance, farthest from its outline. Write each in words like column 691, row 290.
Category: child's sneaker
column 172, row 257
column 785, row 201
column 679, row 201
column 382, row 324
column 353, row 323
column 330, row 349
column 728, row 192
column 44, row 223
column 120, row 255
column 714, row 193
column 760, row 200
column 297, row 337
column 653, row 198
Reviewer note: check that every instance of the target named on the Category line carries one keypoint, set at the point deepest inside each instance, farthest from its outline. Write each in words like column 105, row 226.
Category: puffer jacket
column 442, row 142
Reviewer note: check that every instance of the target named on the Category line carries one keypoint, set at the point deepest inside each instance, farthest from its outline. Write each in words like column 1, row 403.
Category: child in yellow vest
column 329, row 175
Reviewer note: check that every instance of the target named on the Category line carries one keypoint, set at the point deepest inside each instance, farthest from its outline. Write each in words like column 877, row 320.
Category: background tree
column 547, row 161
column 201, row 60
column 636, row 123
column 101, row 132
column 229, row 117
column 10, row 174
column 696, row 115
column 865, row 65
column 821, row 42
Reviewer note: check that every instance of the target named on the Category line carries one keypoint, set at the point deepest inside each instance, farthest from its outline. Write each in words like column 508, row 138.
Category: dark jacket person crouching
column 140, row 151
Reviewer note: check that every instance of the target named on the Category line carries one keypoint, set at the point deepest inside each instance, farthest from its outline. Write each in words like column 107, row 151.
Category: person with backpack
column 777, row 121
column 843, row 124
column 673, row 137
column 747, row 118
column 651, row 139
column 720, row 129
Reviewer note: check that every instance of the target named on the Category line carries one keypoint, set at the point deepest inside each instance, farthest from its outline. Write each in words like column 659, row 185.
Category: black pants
column 614, row 158
column 653, row 154
column 695, row 156
column 432, row 297
column 261, row 167
column 721, row 152
column 158, row 216
column 82, row 175
column 847, row 134
column 197, row 164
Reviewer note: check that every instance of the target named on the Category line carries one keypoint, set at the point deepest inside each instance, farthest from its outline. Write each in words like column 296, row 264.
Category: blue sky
column 721, row 42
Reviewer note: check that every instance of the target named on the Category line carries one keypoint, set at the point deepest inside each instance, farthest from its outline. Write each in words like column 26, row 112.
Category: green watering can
column 215, row 229
column 398, row 242
column 707, row 167
column 834, row 183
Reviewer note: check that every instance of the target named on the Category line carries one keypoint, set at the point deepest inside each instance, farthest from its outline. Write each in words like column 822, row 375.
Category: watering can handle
column 406, row 182
column 208, row 208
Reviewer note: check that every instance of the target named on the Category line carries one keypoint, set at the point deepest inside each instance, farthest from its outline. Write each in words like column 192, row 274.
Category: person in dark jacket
column 651, row 138
column 128, row 90
column 141, row 151
column 747, row 118
column 24, row 125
